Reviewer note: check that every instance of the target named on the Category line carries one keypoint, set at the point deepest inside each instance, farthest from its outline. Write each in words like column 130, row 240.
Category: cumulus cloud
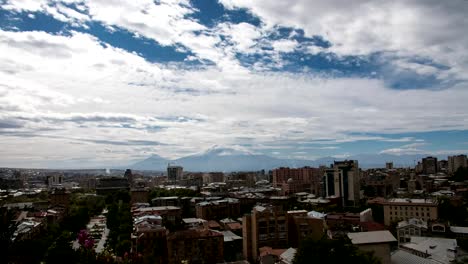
column 80, row 85
column 433, row 30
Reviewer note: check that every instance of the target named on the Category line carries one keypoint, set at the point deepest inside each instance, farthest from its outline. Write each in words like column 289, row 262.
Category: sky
column 105, row 82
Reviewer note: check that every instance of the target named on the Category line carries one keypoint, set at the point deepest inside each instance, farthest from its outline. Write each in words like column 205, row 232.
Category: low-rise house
column 378, row 242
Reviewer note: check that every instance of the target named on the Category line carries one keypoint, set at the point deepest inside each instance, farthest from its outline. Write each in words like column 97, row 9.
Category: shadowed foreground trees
column 332, row 251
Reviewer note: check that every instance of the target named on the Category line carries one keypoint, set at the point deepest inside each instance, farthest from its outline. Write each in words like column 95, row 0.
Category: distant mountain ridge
column 231, row 159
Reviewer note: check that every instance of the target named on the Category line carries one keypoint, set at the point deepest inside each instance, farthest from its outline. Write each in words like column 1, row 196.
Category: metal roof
column 373, row 237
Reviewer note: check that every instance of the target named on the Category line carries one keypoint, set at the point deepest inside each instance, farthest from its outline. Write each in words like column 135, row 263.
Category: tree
column 7, row 229
column 332, row 251
column 61, row 250
column 460, row 175
column 369, row 191
column 456, row 215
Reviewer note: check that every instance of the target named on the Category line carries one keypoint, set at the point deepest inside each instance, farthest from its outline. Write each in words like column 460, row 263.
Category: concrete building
column 389, row 165
column 218, row 209
column 429, row 165
column 455, row 162
column 195, row 246
column 59, row 197
column 174, row 173
column 166, row 201
column 412, row 227
column 265, row 226
column 400, row 209
column 139, row 195
column 108, row 185
column 343, row 180
column 212, row 177
column 54, row 180
column 151, row 235
column 376, row 241
column 302, row 224
column 171, row 214
column 435, row 249
column 292, row 180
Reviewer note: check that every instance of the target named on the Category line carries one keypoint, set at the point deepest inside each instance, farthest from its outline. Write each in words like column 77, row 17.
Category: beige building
column 265, row 226
column 412, row 227
column 401, row 209
column 455, row 162
column 375, row 241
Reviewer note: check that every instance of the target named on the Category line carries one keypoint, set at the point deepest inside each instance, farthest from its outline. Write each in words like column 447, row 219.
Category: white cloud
column 428, row 29
column 53, row 81
column 413, row 148
column 284, row 45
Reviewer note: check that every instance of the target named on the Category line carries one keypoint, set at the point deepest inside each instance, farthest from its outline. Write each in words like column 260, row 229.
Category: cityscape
column 400, row 214
column 233, row 131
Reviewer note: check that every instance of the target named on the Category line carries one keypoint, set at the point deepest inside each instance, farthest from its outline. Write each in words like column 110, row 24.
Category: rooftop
column 437, row 248
column 404, row 257
column 459, row 229
column 230, row 236
column 288, row 255
column 373, row 237
column 412, row 201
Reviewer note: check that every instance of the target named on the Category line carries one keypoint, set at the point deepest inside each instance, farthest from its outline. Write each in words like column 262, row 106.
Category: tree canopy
column 332, row 251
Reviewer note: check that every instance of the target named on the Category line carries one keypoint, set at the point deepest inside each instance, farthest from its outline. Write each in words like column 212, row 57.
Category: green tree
column 460, row 175
column 332, row 251
column 61, row 250
column 7, row 228
column 456, row 215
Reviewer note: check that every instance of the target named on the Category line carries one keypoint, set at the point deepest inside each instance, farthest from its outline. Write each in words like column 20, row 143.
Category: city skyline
column 95, row 82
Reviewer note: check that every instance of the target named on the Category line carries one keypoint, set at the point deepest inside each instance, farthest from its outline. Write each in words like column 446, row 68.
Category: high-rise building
column 265, row 226
column 174, row 173
column 455, row 162
column 429, row 165
column 129, row 176
column 389, row 165
column 343, row 180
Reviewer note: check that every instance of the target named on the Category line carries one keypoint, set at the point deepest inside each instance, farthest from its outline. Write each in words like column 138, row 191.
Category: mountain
column 238, row 159
column 227, row 159
column 154, row 162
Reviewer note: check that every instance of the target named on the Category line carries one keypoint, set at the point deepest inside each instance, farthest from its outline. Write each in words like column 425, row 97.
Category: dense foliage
column 332, row 251
column 460, row 175
column 120, row 223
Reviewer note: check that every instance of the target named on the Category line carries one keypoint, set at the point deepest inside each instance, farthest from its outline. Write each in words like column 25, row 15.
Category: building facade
column 455, row 162
column 195, row 246
column 429, row 165
column 292, row 180
column 343, row 180
column 174, row 173
column 265, row 226
column 400, row 209
column 219, row 209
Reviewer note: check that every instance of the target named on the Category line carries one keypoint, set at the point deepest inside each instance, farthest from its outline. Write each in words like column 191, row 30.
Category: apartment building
column 401, row 209
column 265, row 226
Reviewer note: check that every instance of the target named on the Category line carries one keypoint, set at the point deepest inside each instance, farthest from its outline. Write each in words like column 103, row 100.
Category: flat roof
column 411, row 201
column 373, row 237
column 459, row 229
column 436, row 247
